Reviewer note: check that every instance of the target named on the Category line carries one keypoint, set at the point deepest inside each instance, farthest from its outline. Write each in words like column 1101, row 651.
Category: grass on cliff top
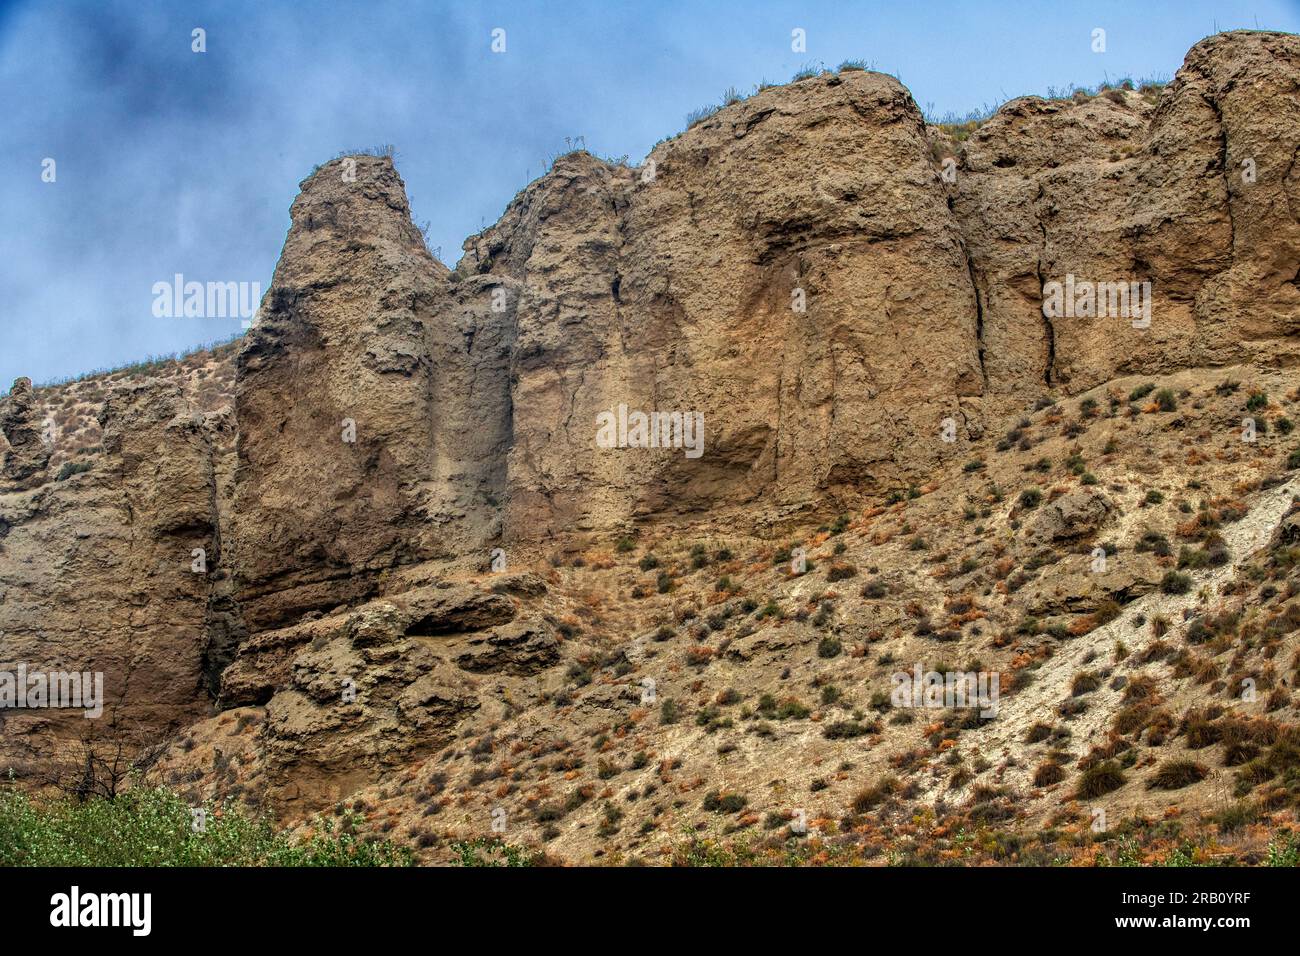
column 148, row 364
column 961, row 125
column 153, row 826
column 958, row 125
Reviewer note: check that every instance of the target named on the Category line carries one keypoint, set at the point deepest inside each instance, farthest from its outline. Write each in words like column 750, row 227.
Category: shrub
column 1048, row 773
column 718, row 802
column 1176, row 774
column 871, row 796
column 841, row 572
column 829, row 647
column 1038, row 733
column 1100, row 778
column 153, row 826
column 1030, row 498
column 1166, row 401
column 1107, row 610
column 874, row 589
column 1175, row 583
column 1142, row 391
column 490, row 851
column 703, row 113
column 71, row 468
column 792, row 709
column 1085, row 682
column 1236, row 816
column 848, row 729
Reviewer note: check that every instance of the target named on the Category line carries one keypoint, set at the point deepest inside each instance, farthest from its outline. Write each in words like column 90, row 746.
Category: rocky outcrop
column 1196, row 194
column 23, row 452
column 1071, row 517
column 794, row 269
column 800, row 273
column 790, row 271
column 98, row 573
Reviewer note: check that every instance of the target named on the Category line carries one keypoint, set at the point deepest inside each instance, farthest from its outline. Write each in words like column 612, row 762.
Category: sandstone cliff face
column 791, row 272
column 1196, row 196
column 96, row 573
column 336, row 348
column 796, row 269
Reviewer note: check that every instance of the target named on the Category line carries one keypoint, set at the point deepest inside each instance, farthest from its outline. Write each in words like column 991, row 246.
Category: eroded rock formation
column 796, row 268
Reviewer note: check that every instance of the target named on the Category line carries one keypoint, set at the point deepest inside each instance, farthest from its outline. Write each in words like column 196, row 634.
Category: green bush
column 1030, row 498
column 1142, row 391
column 153, row 826
column 718, row 802
column 491, row 851
column 1176, row 774
column 829, row 647
column 1099, row 779
column 71, row 468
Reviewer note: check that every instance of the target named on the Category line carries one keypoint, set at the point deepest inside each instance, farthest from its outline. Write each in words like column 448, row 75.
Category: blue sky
column 170, row 161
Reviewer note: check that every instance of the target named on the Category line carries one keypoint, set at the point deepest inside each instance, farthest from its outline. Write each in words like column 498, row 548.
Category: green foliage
column 1099, row 779
column 153, row 826
column 1030, row 498
column 491, row 851
column 71, row 468
column 703, row 113
column 1142, row 391
column 1285, row 854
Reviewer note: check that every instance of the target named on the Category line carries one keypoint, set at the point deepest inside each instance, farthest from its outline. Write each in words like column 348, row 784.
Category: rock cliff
column 361, row 538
